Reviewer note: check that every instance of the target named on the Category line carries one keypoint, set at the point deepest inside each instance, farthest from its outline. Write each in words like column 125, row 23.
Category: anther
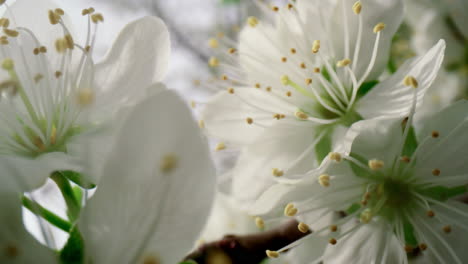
column 290, row 210
column 317, row 70
column 430, row 213
column 168, row 163
column 85, row 97
column 332, row 241
column 303, row 228
column 54, row 18
column 405, row 159
column 42, row 49
column 293, row 50
column 11, row 251
column 249, row 120
column 343, row 63
column 308, row 81
column 4, row 22
column 231, row 90
column 69, row 41
column 61, row 45
column 213, row 43
column 277, row 172
column 258, row 86
column 290, row 6
column 366, row 216
column 284, row 59
column 285, row 80
column 252, row 21
column 38, row 77
column 36, row 51
column 53, row 136
column 259, row 222
column 58, row 74
column 288, row 93
column 59, row 11
column 422, row 246
column 410, row 81
column 324, row 180
column 213, row 62
column 357, row 7
column 408, row 248
column 220, row 146
column 379, row 27
column 435, row 134
column 232, row 50
column 303, row 65
column 316, row 46
column 301, row 115
column 10, row 32
column 436, row 172
column 335, row 156
column 224, row 77
column 375, row 164
column 272, row 254
column 275, row 8
column 96, row 18
column 447, row 229
column 333, row 228
column 268, row 88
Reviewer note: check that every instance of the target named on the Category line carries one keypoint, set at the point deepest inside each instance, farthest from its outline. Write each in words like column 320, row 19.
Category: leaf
column 78, row 179
column 73, row 251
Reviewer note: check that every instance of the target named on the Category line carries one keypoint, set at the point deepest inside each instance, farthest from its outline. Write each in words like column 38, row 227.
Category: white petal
column 225, row 115
column 159, row 214
column 138, row 58
column 373, row 12
column 391, row 98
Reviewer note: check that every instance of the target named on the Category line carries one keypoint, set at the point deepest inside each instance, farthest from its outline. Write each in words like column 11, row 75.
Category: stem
column 50, row 217
column 73, row 205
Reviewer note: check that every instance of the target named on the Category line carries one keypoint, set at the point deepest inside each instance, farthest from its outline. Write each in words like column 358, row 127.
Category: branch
column 247, row 249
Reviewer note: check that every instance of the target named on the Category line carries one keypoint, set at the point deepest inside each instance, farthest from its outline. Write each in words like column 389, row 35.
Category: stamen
column 316, row 46
column 435, row 134
column 10, row 32
column 168, row 163
column 213, row 43
column 410, row 81
column 324, row 180
column 332, row 241
column 375, row 164
column 301, row 115
column 259, row 222
column 54, row 18
column 308, row 81
column 249, row 120
column 231, row 90
column 343, row 63
column 333, row 228
column 272, row 254
column 303, row 228
column 220, row 146
column 277, row 172
column 213, row 62
column 379, row 27
column 96, row 18
column 252, row 21
column 357, row 7
column 335, row 156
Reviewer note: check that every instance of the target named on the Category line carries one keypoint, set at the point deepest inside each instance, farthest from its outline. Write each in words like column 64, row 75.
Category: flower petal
column 156, row 189
column 391, row 98
column 138, row 58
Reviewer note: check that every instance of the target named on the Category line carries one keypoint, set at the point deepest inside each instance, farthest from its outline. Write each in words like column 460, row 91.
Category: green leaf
column 442, row 193
column 78, row 179
column 366, row 87
column 324, row 146
column 73, row 251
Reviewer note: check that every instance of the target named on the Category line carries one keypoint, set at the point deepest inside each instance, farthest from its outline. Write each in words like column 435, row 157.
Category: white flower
column 152, row 201
column 302, row 83
column 52, row 92
column 393, row 191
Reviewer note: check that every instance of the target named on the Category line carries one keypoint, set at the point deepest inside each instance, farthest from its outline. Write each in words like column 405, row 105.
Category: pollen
column 435, row 134
column 324, row 180
column 343, row 63
column 10, row 32
column 252, row 21
column 259, row 222
column 213, row 43
column 357, row 7
column 436, row 172
column 285, row 80
column 85, row 97
column 220, row 146
column 375, row 164
column 168, row 163
column 379, row 27
column 213, row 62
column 366, row 216
column 301, row 115
column 272, row 254
column 249, row 120
column 277, row 172
column 410, row 81
column 303, row 228
column 316, row 46
column 335, row 156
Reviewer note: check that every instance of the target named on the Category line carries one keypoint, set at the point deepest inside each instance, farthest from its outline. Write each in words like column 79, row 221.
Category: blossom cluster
column 345, row 115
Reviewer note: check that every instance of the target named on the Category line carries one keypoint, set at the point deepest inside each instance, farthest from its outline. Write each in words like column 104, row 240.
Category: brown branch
column 247, row 249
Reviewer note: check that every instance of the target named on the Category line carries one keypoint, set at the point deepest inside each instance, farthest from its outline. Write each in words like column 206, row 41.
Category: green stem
column 73, row 205
column 50, row 217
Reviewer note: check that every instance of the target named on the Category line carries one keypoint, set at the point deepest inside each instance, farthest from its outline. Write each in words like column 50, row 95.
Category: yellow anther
column 301, row 115
column 436, row 172
column 357, row 7
column 272, row 254
column 259, row 222
column 293, row 50
column 168, row 163
column 96, row 18
column 308, row 81
column 220, row 146
column 36, row 51
column 224, row 77
column 288, row 93
column 316, row 46
column 291, row 212
column 232, row 50
column 54, row 18
column 87, row 48
column 252, row 21
column 69, row 41
column 4, row 40
column 290, row 6
column 335, row 156
column 324, row 180
column 343, row 63
column 201, row 124
column 410, row 81
column 61, row 45
column 249, row 120
column 90, row 10
column 258, row 86
column 10, row 32
column 42, row 49
column 375, row 164
column 85, row 12
column 303, row 228
column 8, row 64
column 231, row 90
column 288, row 207
column 58, row 74
column 193, row 104
column 332, row 241
column 4, row 22
column 379, row 27
column 333, row 228
column 435, row 134
column 277, row 172
column 317, row 70
column 38, row 77
column 366, row 216
column 213, row 62
column 303, row 65
column 275, row 8
column 268, row 89
column 85, row 97
column 409, row 249
column 2, row 2
column 285, row 80
column 59, row 11
column 213, row 43
column 39, row 144
column 284, row 59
